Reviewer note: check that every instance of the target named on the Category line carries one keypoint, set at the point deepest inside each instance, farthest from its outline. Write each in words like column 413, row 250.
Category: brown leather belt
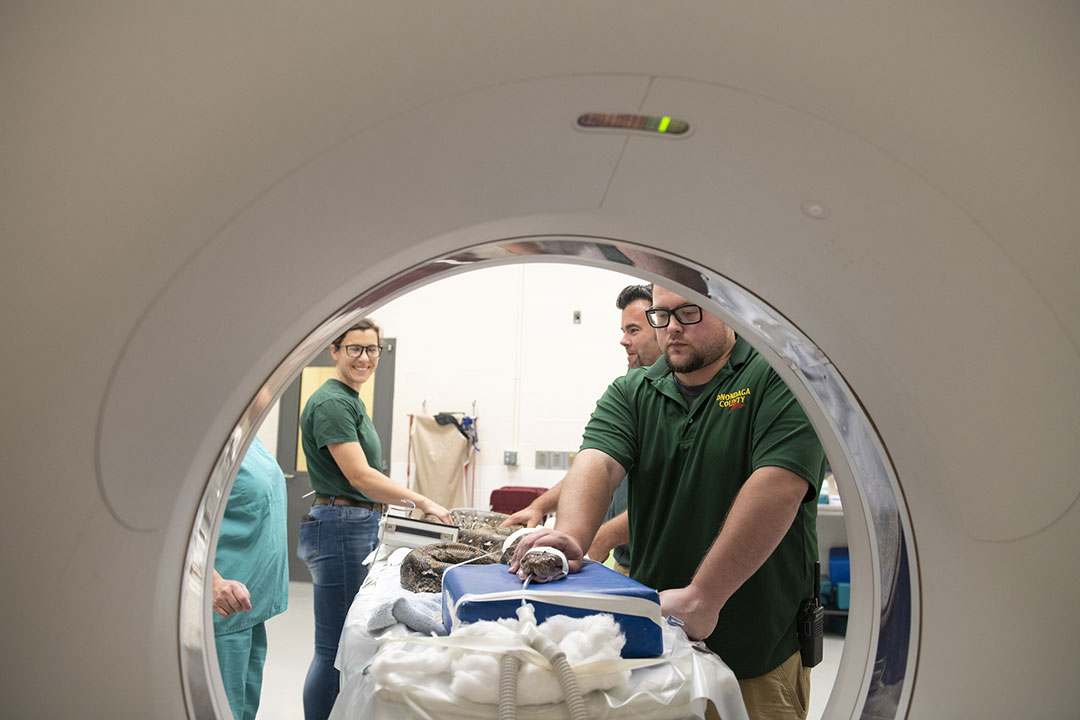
column 350, row 502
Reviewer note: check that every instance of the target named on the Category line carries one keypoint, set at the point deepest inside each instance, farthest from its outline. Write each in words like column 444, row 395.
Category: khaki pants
column 780, row 694
column 620, row 568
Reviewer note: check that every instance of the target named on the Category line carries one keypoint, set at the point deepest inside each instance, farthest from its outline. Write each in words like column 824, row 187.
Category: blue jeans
column 334, row 544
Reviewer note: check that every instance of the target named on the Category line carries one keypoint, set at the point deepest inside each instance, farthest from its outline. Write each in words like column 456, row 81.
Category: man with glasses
column 642, row 350
column 724, row 471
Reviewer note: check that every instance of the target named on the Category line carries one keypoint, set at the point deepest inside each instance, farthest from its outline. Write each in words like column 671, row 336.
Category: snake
column 422, row 569
column 541, row 565
column 480, row 541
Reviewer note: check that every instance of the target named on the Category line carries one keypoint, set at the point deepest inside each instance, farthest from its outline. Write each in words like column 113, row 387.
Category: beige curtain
column 440, row 453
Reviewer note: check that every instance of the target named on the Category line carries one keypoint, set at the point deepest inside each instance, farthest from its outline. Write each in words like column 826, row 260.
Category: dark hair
column 630, row 293
column 361, row 324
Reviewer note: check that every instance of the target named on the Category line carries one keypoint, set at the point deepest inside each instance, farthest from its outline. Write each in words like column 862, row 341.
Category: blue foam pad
column 489, row 592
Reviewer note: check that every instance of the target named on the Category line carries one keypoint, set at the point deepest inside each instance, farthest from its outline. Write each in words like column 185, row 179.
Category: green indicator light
column 625, row 121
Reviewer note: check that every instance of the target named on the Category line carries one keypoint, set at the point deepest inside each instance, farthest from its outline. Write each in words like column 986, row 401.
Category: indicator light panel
column 627, row 121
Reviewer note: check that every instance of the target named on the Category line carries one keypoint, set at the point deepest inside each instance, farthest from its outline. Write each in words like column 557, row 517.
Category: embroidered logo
column 733, row 401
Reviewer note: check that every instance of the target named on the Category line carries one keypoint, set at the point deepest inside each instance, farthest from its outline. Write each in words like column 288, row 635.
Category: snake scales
column 480, row 540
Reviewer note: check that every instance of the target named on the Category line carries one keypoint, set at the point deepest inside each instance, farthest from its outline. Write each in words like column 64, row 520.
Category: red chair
column 511, row 498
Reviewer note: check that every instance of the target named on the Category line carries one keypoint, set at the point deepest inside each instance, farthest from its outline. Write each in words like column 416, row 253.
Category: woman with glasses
column 343, row 457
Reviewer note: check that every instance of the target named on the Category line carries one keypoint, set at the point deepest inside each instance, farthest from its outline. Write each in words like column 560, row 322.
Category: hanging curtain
column 441, row 449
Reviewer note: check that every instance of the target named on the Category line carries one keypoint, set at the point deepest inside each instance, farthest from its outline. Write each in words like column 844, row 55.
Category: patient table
column 674, row 686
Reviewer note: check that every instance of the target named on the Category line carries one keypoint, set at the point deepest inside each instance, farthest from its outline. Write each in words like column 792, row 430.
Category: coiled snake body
column 422, row 569
column 480, row 542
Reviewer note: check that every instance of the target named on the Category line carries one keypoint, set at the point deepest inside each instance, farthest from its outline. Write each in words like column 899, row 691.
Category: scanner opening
column 877, row 669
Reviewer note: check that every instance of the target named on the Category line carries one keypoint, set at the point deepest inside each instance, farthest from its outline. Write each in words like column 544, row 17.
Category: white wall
column 268, row 430
column 505, row 339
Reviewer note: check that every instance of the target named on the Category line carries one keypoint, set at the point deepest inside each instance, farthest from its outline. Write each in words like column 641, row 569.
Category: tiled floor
column 290, row 645
column 823, row 676
column 290, row 641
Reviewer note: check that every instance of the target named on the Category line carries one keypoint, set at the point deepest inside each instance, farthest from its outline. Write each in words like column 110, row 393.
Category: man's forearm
column 614, row 532
column 758, row 520
column 547, row 502
column 586, row 492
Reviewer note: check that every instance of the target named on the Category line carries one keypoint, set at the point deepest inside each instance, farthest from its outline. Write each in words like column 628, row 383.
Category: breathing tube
column 508, row 681
column 508, row 669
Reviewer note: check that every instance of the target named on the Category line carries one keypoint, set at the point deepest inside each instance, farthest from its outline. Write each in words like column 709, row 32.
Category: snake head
column 544, row 564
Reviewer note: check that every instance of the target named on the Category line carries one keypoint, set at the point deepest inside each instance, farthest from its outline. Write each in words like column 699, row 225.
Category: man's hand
column 697, row 611
column 529, row 517
column 230, row 596
column 548, row 538
column 534, row 514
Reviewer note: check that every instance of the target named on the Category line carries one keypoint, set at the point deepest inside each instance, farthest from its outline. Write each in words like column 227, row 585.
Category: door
column 377, row 394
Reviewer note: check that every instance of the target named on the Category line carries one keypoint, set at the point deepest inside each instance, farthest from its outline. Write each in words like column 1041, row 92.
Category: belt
column 338, row 500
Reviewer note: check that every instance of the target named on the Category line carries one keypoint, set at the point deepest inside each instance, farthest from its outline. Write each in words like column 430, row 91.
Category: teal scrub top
column 252, row 547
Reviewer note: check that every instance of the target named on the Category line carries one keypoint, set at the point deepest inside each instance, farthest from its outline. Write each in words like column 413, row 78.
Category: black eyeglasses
column 355, row 351
column 686, row 315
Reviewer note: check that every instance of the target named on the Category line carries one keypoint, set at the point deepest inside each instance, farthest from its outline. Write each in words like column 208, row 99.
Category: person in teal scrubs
column 251, row 576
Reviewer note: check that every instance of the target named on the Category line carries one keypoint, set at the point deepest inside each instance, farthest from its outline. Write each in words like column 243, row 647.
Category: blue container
column 839, row 565
column 843, row 595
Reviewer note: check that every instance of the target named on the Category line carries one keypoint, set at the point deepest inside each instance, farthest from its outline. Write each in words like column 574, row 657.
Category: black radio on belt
column 810, row 625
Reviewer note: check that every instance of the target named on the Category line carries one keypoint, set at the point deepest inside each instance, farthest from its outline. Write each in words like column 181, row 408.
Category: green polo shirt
column 335, row 414
column 686, row 466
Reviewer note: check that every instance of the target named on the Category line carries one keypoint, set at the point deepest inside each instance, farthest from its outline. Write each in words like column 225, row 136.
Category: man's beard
column 687, row 363
column 695, row 359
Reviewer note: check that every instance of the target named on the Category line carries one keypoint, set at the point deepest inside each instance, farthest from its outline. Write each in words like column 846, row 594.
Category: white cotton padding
column 583, row 640
column 601, row 636
column 476, row 678
column 411, row 659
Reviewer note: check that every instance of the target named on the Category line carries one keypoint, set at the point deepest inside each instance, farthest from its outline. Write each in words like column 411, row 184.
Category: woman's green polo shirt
column 335, row 414
column 686, row 465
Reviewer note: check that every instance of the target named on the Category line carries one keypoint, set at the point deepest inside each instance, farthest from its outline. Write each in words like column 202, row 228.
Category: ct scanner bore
column 877, row 520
